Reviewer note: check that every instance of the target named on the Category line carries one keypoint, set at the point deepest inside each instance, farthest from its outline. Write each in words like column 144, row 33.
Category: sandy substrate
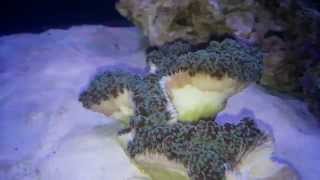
column 45, row 133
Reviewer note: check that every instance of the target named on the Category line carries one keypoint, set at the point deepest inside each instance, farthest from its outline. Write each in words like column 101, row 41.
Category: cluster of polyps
column 169, row 113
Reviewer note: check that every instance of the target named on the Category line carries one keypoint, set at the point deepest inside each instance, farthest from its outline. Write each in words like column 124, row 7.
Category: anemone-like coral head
column 111, row 93
column 199, row 82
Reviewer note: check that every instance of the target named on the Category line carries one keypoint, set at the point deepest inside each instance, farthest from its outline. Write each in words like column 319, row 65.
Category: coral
column 150, row 101
column 111, row 93
column 166, row 54
column 108, row 85
column 205, row 77
column 121, row 95
column 214, row 147
column 229, row 57
column 213, row 74
column 257, row 164
column 280, row 28
column 195, row 84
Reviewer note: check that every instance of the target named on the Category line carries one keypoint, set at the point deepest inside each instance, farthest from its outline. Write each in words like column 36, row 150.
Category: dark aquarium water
column 160, row 90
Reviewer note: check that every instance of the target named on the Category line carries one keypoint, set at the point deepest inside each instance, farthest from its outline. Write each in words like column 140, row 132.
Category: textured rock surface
column 166, row 20
column 196, row 20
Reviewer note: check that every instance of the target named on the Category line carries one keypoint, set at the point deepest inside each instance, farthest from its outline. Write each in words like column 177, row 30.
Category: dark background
column 18, row 16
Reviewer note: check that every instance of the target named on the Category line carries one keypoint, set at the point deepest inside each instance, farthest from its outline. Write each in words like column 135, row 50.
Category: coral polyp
column 122, row 95
column 111, row 93
column 206, row 149
column 205, row 78
column 229, row 57
column 169, row 113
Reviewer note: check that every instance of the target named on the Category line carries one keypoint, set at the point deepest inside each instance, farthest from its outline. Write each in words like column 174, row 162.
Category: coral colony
column 287, row 32
column 168, row 113
column 173, row 115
